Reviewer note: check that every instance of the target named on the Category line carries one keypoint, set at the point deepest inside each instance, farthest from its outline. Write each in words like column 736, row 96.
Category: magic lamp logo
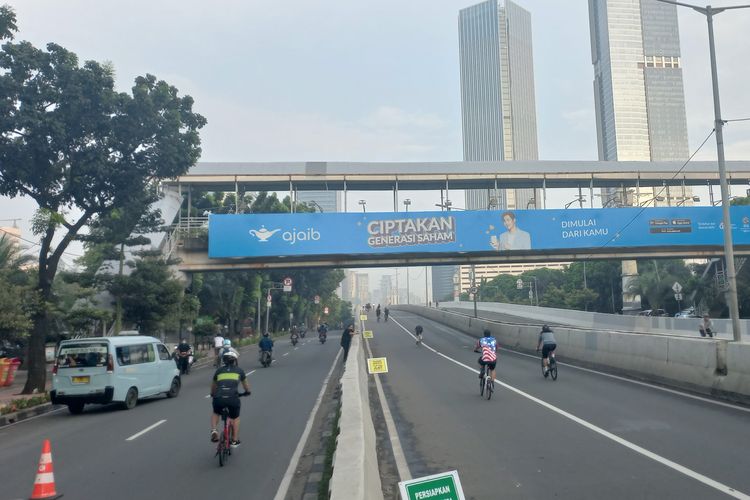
column 292, row 236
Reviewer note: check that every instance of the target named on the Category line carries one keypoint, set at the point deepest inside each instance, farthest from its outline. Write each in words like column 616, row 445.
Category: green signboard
column 444, row 486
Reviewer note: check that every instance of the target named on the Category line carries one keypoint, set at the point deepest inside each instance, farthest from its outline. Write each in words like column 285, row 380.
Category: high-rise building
column 325, row 201
column 639, row 98
column 498, row 108
column 363, row 288
column 442, row 282
column 638, row 90
column 349, row 286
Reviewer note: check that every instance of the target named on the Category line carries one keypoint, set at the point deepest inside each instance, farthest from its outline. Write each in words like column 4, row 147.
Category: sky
column 335, row 80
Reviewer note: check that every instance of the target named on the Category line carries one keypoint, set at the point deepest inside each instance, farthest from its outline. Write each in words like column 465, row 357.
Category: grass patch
column 330, row 450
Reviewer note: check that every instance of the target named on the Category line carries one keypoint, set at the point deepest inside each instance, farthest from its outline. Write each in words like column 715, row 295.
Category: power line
column 663, row 188
column 738, row 120
column 35, row 243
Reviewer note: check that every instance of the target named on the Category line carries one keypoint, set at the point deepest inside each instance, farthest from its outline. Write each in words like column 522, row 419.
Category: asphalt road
column 587, row 435
column 93, row 459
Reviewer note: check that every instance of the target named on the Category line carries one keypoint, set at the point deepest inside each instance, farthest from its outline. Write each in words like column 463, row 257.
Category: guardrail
column 355, row 463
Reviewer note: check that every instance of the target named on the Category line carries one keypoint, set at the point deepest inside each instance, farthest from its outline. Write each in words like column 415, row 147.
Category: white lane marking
column 208, row 396
column 617, row 439
column 289, row 474
column 285, row 354
column 144, row 431
column 297, row 348
column 624, row 379
column 398, row 452
column 250, row 373
column 638, row 382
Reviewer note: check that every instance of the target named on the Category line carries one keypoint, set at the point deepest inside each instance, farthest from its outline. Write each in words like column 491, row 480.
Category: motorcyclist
column 322, row 331
column 265, row 345
column 183, row 356
column 294, row 336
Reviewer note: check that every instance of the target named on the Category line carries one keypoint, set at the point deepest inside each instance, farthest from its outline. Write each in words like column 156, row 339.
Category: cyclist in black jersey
column 225, row 394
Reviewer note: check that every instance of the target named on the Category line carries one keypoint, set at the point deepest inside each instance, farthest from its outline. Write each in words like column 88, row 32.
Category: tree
column 81, row 149
column 15, row 293
column 149, row 294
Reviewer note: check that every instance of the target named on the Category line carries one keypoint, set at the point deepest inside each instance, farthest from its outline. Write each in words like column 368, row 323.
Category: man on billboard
column 513, row 238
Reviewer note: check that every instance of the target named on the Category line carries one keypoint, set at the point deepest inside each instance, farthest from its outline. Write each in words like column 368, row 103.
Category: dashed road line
column 144, row 431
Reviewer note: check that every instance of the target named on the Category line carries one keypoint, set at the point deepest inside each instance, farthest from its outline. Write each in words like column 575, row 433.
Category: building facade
column 498, row 108
column 639, row 100
column 324, row 201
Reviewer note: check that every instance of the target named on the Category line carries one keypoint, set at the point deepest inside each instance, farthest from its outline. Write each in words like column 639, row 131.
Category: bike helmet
column 265, row 334
column 227, row 343
column 229, row 357
column 487, row 333
column 546, row 328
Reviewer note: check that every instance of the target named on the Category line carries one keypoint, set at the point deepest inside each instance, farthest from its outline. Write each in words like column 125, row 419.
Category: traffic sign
column 287, row 284
column 325, row 310
column 519, row 283
column 677, row 287
column 268, row 300
column 678, row 296
column 367, row 334
column 473, row 290
column 363, row 317
column 377, row 365
column 317, row 299
column 445, row 486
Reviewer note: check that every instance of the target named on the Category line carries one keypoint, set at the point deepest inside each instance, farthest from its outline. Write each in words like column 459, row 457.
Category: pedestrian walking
column 706, row 327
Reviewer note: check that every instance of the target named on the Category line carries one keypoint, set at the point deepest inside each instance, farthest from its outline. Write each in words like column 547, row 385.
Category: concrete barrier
column 708, row 366
column 602, row 321
column 355, row 464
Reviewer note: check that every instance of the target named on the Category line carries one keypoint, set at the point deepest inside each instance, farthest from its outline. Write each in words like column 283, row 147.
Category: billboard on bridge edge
column 301, row 234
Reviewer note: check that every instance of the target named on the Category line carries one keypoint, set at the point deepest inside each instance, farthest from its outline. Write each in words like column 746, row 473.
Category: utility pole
column 731, row 294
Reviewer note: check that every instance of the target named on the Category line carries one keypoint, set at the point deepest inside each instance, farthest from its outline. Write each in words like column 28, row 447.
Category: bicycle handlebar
column 245, row 394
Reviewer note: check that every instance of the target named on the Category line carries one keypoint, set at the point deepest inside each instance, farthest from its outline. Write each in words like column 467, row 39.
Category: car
column 653, row 313
column 120, row 369
column 687, row 313
column 12, row 350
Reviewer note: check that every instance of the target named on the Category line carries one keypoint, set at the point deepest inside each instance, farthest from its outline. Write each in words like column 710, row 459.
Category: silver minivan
column 112, row 369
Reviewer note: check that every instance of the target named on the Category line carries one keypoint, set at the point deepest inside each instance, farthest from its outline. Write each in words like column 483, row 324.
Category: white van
column 106, row 369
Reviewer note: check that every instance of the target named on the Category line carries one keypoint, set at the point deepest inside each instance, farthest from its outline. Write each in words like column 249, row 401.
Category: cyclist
column 547, row 344
column 265, row 344
column 377, row 312
column 487, row 346
column 227, row 346
column 225, row 394
column 386, row 312
column 418, row 330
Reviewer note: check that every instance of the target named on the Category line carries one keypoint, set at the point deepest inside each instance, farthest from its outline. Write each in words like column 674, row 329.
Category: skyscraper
column 639, row 98
column 325, row 201
column 638, row 89
column 498, row 109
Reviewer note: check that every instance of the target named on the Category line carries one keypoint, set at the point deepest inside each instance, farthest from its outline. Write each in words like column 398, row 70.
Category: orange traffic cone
column 44, row 484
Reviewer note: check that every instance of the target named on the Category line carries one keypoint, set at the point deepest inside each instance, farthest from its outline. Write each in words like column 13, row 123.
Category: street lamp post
column 407, row 202
column 364, row 205
column 734, row 311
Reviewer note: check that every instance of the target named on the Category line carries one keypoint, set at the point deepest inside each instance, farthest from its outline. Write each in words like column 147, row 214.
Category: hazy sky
column 340, row 80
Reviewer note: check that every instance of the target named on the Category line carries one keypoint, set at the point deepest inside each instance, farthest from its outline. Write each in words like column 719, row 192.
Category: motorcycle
column 303, row 332
column 265, row 358
column 322, row 338
column 294, row 339
column 184, row 362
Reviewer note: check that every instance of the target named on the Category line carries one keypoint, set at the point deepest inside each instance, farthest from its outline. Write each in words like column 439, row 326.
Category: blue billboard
column 301, row 234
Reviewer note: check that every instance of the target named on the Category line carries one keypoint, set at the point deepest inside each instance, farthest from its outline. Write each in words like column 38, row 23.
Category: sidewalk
column 13, row 391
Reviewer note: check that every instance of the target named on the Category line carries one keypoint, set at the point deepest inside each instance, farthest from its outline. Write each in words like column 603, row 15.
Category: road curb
column 26, row 413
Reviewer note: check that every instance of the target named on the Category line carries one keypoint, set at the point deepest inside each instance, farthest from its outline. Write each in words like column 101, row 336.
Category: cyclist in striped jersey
column 487, row 346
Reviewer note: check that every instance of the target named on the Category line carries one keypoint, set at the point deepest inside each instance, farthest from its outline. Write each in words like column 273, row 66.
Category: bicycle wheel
column 490, row 387
column 221, row 450
column 553, row 368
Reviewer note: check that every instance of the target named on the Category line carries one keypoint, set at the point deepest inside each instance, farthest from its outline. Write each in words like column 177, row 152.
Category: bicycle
column 486, row 384
column 552, row 372
column 224, row 446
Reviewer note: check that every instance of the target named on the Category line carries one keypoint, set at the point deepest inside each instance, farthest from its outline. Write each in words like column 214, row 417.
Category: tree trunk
column 37, row 364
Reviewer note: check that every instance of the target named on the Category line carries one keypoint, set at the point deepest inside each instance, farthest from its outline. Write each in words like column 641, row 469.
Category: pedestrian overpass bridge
column 190, row 236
